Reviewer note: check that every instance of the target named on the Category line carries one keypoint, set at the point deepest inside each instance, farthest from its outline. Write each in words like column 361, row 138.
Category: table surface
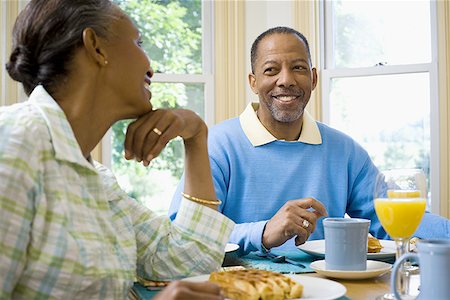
column 356, row 289
column 363, row 289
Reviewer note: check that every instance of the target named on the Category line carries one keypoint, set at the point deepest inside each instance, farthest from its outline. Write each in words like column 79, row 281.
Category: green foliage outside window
column 172, row 37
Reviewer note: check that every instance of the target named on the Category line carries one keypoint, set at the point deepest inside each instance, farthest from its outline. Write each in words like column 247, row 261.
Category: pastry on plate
column 255, row 284
column 373, row 245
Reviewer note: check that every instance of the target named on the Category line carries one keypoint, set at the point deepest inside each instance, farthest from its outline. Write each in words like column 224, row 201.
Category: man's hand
column 296, row 218
column 179, row 290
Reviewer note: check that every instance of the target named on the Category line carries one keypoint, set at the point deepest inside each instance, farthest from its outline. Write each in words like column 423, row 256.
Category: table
column 365, row 288
column 356, row 289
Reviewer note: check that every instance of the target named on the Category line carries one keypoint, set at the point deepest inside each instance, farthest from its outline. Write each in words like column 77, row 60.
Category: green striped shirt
column 67, row 230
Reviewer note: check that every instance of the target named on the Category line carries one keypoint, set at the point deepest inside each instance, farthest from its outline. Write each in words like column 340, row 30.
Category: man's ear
column 252, row 82
column 314, row 79
column 94, row 47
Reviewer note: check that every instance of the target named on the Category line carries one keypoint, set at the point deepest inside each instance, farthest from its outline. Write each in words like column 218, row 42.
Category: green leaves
column 172, row 37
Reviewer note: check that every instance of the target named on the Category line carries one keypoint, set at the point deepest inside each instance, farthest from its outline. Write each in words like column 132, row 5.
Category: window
column 176, row 35
column 379, row 81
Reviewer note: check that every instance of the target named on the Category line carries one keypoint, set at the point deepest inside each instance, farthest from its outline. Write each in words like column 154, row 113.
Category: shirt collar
column 259, row 135
column 62, row 137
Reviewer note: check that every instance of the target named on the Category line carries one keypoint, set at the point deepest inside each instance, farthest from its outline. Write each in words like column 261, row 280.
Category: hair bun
column 22, row 65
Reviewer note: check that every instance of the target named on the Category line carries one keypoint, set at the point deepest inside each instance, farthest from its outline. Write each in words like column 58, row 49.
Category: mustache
column 288, row 91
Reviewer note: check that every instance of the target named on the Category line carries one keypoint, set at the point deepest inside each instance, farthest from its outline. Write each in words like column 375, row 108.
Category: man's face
column 283, row 77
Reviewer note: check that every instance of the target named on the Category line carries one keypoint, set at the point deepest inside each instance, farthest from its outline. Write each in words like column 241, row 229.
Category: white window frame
column 206, row 77
column 329, row 73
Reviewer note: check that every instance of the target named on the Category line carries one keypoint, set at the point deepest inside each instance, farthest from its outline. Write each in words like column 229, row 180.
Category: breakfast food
column 373, row 245
column 151, row 284
column 255, row 284
column 413, row 244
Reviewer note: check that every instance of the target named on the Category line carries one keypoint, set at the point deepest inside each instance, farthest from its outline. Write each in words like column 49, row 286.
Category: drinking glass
column 400, row 201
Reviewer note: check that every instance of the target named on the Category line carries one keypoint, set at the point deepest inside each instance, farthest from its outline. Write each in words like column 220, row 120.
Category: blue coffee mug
column 434, row 261
column 346, row 243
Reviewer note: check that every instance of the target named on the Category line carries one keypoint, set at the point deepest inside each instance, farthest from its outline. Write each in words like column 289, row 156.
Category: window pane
column 171, row 32
column 139, row 181
column 388, row 115
column 366, row 33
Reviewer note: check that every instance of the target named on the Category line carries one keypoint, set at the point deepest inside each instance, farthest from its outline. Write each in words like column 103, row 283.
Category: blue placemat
column 142, row 293
column 253, row 260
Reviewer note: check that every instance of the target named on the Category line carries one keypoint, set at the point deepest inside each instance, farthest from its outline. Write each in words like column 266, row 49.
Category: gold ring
column 305, row 224
column 157, row 131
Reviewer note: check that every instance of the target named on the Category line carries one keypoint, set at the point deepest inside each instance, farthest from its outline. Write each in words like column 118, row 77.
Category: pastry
column 373, row 245
column 255, row 284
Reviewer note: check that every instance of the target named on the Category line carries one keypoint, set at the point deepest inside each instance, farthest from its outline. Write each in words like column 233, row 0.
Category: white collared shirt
column 259, row 135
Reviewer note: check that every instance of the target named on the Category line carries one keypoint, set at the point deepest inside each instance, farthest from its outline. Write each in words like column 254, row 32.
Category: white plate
column 317, row 248
column 374, row 269
column 314, row 288
column 231, row 247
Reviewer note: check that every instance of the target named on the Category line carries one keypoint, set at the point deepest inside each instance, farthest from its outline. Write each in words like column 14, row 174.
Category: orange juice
column 403, row 194
column 400, row 217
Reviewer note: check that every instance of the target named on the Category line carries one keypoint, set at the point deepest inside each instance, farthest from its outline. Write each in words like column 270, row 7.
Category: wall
column 260, row 16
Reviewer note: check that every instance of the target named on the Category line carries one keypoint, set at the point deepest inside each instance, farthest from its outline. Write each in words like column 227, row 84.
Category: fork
column 284, row 259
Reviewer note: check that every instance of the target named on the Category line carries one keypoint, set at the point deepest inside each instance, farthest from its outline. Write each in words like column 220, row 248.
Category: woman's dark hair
column 46, row 35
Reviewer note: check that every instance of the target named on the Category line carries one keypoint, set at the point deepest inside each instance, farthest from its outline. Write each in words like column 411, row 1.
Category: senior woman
column 67, row 231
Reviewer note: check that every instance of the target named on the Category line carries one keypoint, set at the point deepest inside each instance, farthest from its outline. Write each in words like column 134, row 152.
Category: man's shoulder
column 332, row 134
column 226, row 128
column 227, row 137
column 336, row 138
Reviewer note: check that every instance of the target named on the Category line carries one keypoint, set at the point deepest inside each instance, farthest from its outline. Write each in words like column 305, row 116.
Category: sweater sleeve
column 246, row 235
column 167, row 250
column 361, row 205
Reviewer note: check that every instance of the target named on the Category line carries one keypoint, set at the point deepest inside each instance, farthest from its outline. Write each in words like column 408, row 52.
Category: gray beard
column 285, row 116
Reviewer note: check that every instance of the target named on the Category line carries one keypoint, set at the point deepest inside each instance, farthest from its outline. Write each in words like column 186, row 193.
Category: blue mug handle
column 394, row 273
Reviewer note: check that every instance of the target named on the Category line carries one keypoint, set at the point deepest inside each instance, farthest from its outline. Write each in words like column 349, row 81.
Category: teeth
column 286, row 98
column 147, row 86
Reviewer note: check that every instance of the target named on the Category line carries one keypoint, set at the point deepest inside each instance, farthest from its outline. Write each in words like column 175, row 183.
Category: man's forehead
column 281, row 43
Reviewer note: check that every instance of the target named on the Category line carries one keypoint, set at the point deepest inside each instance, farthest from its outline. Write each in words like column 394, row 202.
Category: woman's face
column 128, row 70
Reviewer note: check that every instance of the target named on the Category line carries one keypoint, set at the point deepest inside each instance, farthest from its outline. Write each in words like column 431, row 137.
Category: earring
column 106, row 62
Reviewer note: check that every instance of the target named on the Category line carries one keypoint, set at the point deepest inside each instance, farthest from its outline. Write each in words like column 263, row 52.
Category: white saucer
column 317, row 248
column 374, row 269
column 231, row 247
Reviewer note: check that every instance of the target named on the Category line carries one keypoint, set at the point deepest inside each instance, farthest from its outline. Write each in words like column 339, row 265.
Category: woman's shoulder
column 23, row 113
column 21, row 121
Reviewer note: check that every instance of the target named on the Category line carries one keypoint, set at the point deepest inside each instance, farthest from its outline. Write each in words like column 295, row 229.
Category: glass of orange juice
column 400, row 201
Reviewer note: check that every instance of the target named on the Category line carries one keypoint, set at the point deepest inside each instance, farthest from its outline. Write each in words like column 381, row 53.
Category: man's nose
column 286, row 78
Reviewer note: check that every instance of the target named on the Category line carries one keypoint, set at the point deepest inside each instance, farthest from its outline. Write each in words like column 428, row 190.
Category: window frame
column 329, row 72
column 206, row 78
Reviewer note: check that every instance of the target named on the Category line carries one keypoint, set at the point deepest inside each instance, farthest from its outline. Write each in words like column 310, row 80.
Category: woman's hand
column 149, row 134
column 190, row 290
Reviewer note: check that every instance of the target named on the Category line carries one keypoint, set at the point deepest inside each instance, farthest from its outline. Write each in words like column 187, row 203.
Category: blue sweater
column 255, row 182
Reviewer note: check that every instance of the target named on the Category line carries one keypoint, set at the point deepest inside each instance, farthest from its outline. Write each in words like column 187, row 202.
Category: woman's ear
column 94, row 47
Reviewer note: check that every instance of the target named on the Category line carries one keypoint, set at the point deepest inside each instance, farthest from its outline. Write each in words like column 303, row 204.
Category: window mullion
column 180, row 78
column 379, row 70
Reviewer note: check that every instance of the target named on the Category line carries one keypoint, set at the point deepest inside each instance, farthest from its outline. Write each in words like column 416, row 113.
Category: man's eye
column 299, row 68
column 268, row 70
